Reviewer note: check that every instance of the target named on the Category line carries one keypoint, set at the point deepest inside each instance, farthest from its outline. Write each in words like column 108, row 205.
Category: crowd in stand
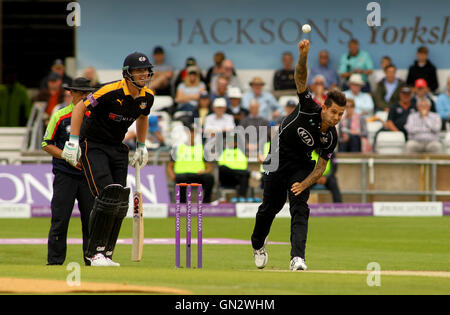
column 220, row 102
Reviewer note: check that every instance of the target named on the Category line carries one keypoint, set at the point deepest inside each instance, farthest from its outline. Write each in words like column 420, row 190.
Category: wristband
column 140, row 144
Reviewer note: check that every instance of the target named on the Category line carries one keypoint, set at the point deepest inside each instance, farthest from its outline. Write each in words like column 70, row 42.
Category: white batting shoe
column 261, row 256
column 297, row 263
column 112, row 263
column 99, row 261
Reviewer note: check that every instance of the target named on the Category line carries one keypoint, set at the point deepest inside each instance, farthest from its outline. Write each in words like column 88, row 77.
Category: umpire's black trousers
column 277, row 186
column 67, row 188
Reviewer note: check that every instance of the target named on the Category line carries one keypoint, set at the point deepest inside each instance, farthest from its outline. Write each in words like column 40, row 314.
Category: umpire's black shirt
column 113, row 110
column 299, row 134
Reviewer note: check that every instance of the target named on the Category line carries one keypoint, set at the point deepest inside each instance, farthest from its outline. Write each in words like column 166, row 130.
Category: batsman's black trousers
column 104, row 164
column 277, row 186
column 67, row 188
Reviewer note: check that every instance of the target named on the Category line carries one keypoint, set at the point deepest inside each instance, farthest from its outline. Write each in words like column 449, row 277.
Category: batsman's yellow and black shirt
column 113, row 110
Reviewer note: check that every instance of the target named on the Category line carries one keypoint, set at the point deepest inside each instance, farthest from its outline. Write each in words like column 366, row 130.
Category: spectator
column 221, row 89
column 188, row 92
column 384, row 62
column 356, row 61
column 190, row 61
column 352, row 130
column 288, row 109
column 15, row 105
column 328, row 178
column 318, row 89
column 219, row 120
column 53, row 94
column 91, row 74
column 235, row 109
column 268, row 105
column 262, row 128
column 363, row 101
column 216, row 69
column 233, row 166
column 423, row 129
column 443, row 105
column 398, row 113
column 283, row 79
column 203, row 109
column 330, row 74
column 188, row 165
column 228, row 72
column 154, row 139
column 421, row 91
column 59, row 68
column 387, row 91
column 423, row 69
column 68, row 98
column 162, row 73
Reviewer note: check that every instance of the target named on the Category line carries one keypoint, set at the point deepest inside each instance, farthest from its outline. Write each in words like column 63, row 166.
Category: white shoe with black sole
column 297, row 263
column 261, row 256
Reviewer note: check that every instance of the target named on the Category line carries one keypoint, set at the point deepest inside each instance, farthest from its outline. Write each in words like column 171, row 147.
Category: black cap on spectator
column 405, row 89
column 204, row 94
column 291, row 103
column 191, row 62
column 158, row 50
column 54, row 76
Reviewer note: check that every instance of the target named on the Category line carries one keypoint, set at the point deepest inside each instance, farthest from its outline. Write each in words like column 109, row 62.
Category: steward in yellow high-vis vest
column 233, row 171
column 188, row 165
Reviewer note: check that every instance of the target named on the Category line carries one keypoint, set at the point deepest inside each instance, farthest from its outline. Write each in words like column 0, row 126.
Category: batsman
column 97, row 144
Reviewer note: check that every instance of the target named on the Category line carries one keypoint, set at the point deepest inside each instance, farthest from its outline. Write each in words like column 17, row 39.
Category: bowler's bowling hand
column 303, row 47
column 297, row 188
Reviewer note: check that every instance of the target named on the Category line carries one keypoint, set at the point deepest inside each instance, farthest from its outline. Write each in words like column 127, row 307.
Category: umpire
column 69, row 182
column 97, row 143
column 308, row 127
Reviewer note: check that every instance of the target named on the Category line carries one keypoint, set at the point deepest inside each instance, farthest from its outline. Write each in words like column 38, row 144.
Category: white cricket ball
column 306, row 28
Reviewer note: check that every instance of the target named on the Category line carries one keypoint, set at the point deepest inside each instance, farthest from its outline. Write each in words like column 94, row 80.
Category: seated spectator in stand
column 221, row 89
column 190, row 61
column 387, row 91
column 262, row 128
column 423, row 129
column 203, row 109
column 328, row 178
column 384, row 62
column 283, row 79
column 188, row 165
column 216, row 69
column 323, row 69
column 235, row 109
column 91, row 74
column 154, row 140
column 188, row 92
column 59, row 68
column 421, row 91
column 162, row 73
column 66, row 102
column 229, row 73
column 356, row 61
column 15, row 105
column 398, row 113
column 53, row 94
column 443, row 105
column 363, row 101
column 233, row 166
column 219, row 121
column 288, row 109
column 352, row 130
column 268, row 106
column 423, row 69
column 318, row 89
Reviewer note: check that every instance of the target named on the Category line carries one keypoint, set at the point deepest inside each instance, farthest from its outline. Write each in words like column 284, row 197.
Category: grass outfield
column 343, row 243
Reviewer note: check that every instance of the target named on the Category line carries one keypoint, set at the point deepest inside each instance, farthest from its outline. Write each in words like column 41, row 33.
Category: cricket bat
column 138, row 220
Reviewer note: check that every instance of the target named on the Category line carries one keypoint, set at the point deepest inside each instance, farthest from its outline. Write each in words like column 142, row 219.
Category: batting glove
column 140, row 157
column 72, row 152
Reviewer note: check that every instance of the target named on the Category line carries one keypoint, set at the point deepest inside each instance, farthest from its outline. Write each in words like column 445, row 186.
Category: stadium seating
column 372, row 129
column 390, row 142
column 285, row 98
column 162, row 102
column 11, row 143
column 447, row 143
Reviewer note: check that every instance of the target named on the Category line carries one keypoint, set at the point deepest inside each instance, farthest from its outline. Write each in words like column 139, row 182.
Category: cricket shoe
column 261, row 256
column 297, row 263
column 99, row 261
column 112, row 263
